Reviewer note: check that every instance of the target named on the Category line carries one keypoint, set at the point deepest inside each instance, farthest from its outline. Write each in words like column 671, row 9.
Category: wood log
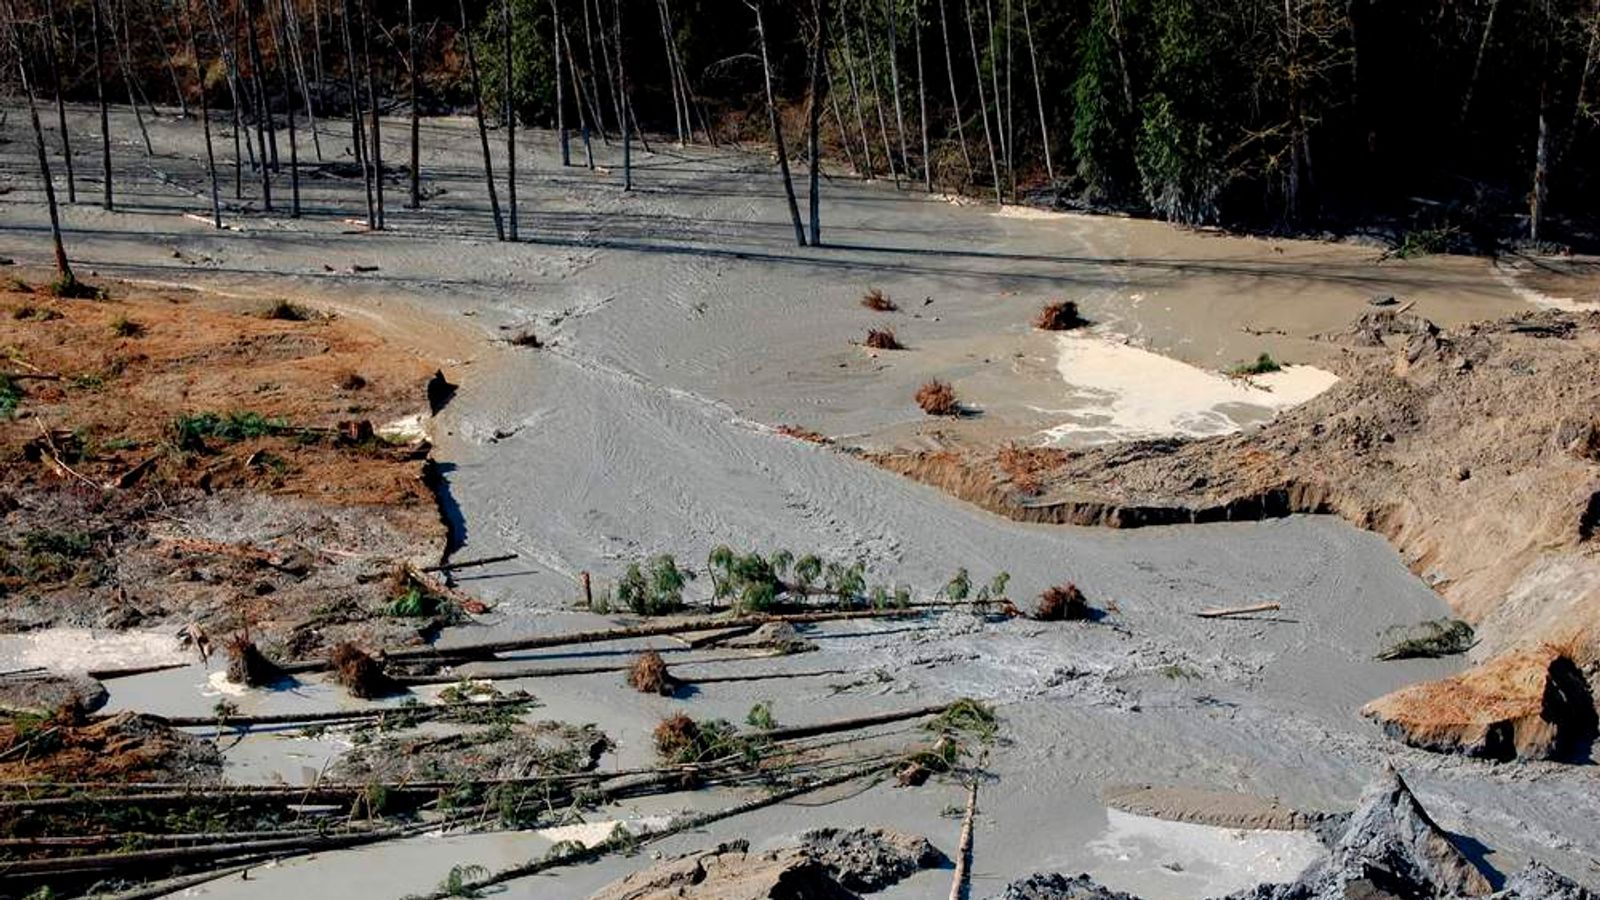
column 1224, row 612
column 959, row 881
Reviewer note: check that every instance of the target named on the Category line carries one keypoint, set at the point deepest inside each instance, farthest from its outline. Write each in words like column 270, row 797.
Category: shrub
column 69, row 288
column 883, row 339
column 658, row 593
column 649, row 675
column 10, row 396
column 1262, row 365
column 760, row 716
column 285, row 311
column 122, row 326
column 680, row 740
column 876, row 300
column 937, row 398
column 1059, row 316
column 360, row 674
column 190, row 432
column 1061, row 603
column 35, row 314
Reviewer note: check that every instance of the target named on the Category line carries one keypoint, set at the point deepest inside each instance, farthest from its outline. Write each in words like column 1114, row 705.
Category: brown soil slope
column 170, row 457
column 1476, row 452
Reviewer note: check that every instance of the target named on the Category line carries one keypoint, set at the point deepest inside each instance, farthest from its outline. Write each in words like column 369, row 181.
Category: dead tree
column 483, row 131
column 672, row 72
column 508, row 107
column 994, row 78
column 561, row 98
column 877, row 95
column 281, row 38
column 205, row 116
column 819, row 35
column 890, row 11
column 1540, row 197
column 1038, row 94
column 955, row 96
column 416, row 113
column 131, row 84
column 96, row 25
column 61, row 102
column 263, row 113
column 64, row 277
column 624, row 104
column 292, row 28
column 855, row 92
column 231, row 68
column 983, row 104
column 377, row 132
column 777, row 127
column 612, row 90
column 577, row 91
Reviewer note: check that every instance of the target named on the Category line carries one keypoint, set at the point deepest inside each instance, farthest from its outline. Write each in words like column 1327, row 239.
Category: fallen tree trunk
column 1224, row 612
column 958, row 882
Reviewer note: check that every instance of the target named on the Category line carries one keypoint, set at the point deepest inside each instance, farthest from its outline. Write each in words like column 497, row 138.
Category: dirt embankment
column 1476, row 452
column 174, row 458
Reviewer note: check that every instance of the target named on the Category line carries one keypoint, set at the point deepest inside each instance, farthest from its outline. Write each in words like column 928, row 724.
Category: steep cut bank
column 1475, row 451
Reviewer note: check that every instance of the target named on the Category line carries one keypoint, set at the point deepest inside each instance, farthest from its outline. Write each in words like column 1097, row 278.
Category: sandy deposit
column 682, row 325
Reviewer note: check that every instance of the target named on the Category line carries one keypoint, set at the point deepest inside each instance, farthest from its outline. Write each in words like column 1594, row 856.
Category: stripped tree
column 955, row 96
column 819, row 36
column 416, row 112
column 377, row 133
column 483, row 130
column 66, row 282
column 205, row 114
column 97, row 25
column 983, row 104
column 508, row 107
column 777, row 127
column 61, row 101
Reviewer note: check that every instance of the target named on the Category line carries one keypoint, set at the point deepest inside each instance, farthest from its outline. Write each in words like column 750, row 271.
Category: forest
column 1438, row 125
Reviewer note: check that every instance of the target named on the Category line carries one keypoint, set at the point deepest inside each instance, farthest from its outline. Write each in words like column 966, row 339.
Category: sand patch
column 1119, row 392
column 1156, row 859
column 83, row 649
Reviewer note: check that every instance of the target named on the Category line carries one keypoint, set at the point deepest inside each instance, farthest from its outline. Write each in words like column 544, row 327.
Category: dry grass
column 359, row 673
column 938, row 398
column 649, row 675
column 883, row 339
column 248, row 666
column 1059, row 316
column 1062, row 603
column 677, row 738
column 876, row 300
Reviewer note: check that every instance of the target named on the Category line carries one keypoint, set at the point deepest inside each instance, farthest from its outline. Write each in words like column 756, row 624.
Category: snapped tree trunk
column 61, row 102
column 483, row 130
column 777, row 127
column 955, row 96
column 416, row 113
column 509, row 109
column 819, row 34
column 96, row 26
column 64, row 276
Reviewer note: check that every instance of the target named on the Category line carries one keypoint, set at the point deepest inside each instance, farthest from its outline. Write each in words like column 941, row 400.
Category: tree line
column 1460, row 124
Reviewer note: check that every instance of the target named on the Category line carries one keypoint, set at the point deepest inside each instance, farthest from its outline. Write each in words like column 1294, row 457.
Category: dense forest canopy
column 1458, row 124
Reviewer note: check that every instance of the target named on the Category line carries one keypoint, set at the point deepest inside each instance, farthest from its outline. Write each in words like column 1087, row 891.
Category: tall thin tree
column 561, row 97
column 819, row 57
column 777, row 127
column 263, row 112
column 483, row 129
column 577, row 92
column 848, row 52
column 508, row 107
column 377, row 131
column 65, row 280
column 955, row 96
column 877, row 94
column 358, row 141
column 205, row 113
column 922, row 96
column 285, row 70
column 625, row 108
column 983, row 103
column 61, row 100
column 1038, row 94
column 892, row 12
column 416, row 111
column 96, row 25
column 119, row 49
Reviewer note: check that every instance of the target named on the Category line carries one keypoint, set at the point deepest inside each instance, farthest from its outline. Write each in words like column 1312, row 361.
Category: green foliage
column 995, row 590
column 1180, row 173
column 10, row 396
column 969, row 719
column 959, row 587
column 190, row 432
column 657, row 592
column 70, row 544
column 1178, row 671
column 69, row 288
column 533, row 71
column 750, row 581
column 1100, row 112
column 1262, row 365
column 1427, row 241
column 760, row 716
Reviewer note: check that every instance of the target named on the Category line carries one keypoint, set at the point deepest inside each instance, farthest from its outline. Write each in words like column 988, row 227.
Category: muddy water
column 681, row 326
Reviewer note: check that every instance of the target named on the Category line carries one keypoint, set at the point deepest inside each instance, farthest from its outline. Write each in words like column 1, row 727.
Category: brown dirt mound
column 1467, row 449
column 1529, row 704
column 1062, row 603
column 676, row 737
column 359, row 673
column 125, row 747
column 937, row 398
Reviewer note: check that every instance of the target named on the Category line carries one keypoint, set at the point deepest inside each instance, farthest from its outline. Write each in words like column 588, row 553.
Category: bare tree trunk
column 1541, row 176
column 983, row 104
column 231, row 68
column 1011, row 131
column 955, row 96
column 1122, row 58
column 877, row 95
column 819, row 35
column 377, row 132
column 1038, row 95
column 295, row 35
column 205, row 118
column 894, row 83
column 577, row 91
column 777, row 127
column 855, row 93
column 358, row 139
column 1477, row 63
column 483, row 131
column 594, row 72
column 922, row 98
column 561, row 96
column 316, row 37
column 96, row 26
column 994, row 80
column 416, row 113
column 282, row 39
column 129, row 83
column 61, row 103
column 838, row 119
column 672, row 72
column 624, row 102
column 509, row 108
column 64, row 276
column 159, row 34
column 263, row 112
